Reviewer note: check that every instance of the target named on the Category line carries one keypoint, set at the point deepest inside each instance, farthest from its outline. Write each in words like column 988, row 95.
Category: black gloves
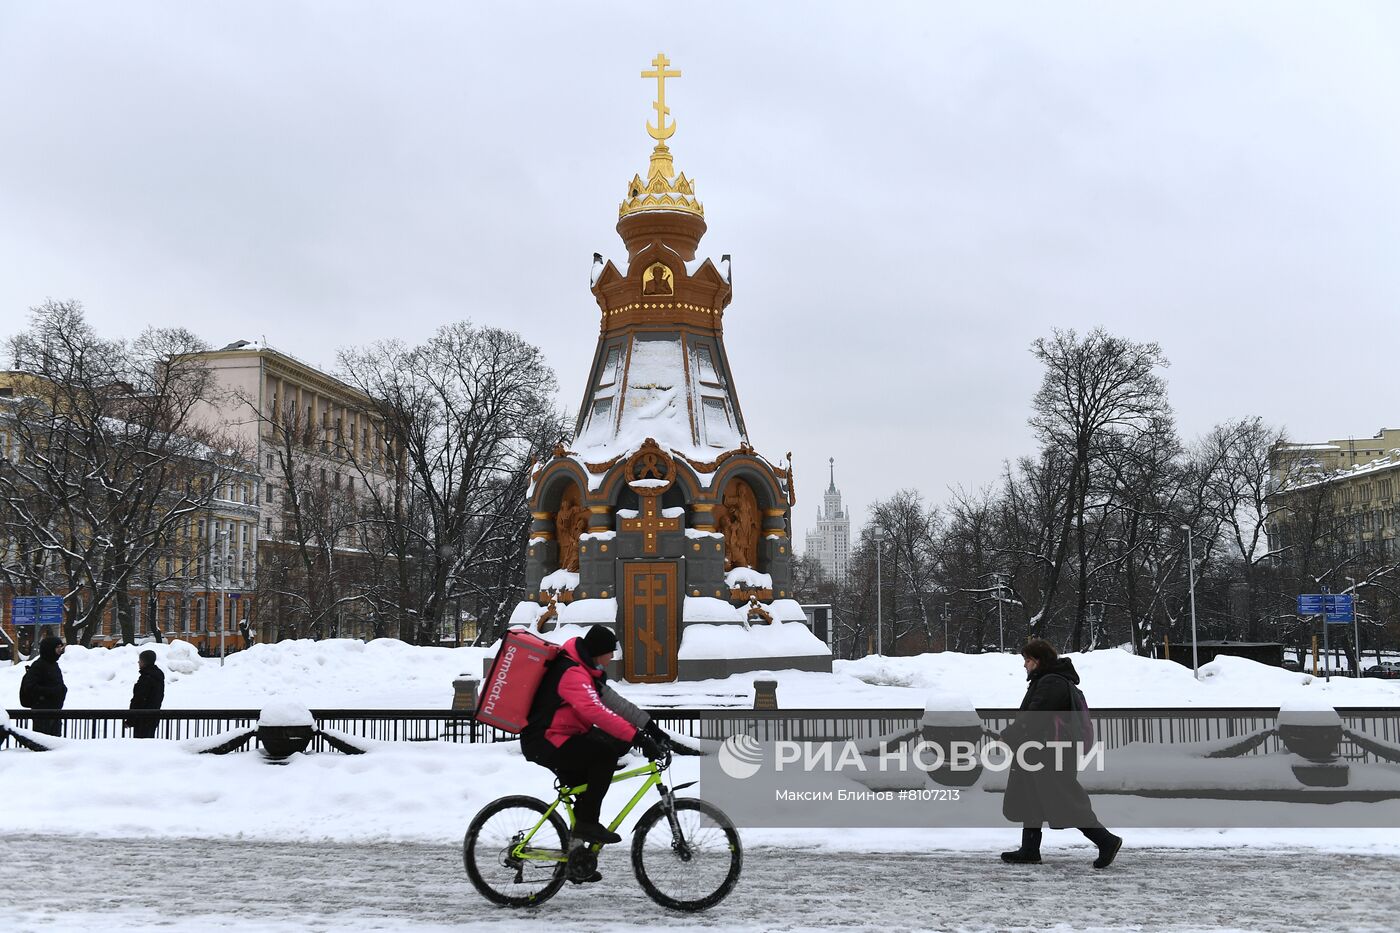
column 656, row 732
column 654, row 748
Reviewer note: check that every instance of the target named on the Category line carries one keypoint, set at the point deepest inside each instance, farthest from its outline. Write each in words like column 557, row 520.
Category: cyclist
column 578, row 726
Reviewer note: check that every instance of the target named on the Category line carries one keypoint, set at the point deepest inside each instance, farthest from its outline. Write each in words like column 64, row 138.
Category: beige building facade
column 299, row 425
column 1355, row 482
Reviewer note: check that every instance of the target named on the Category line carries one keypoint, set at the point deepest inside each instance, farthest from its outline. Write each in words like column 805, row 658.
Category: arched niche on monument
column 559, row 498
column 739, row 517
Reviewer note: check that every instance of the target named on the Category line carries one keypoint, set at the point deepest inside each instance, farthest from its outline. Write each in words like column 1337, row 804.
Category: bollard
column 765, row 694
column 464, row 694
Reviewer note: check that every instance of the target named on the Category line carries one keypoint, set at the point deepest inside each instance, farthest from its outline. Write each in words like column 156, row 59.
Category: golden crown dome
column 663, row 189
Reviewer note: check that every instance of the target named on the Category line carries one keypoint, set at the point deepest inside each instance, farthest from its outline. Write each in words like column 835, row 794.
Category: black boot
column 1029, row 853
column 1108, row 844
column 596, row 833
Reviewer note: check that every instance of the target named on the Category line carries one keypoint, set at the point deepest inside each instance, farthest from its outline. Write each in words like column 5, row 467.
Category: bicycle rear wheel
column 504, row 873
column 694, row 869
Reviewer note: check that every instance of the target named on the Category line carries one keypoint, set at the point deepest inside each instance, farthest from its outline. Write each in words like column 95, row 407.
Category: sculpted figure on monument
column 738, row 520
column 569, row 522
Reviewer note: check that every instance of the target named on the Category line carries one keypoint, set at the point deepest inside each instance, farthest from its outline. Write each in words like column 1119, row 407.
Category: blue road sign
column 1310, row 604
column 1341, row 609
column 24, row 610
column 50, row 610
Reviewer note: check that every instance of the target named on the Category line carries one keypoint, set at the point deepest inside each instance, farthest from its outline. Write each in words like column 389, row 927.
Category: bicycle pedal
column 582, row 866
column 596, row 876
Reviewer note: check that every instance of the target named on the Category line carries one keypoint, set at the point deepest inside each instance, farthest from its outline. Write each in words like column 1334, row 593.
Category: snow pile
column 709, row 609
column 181, row 658
column 748, row 578
column 587, row 611
column 388, row 674
column 713, row 609
column 559, row 580
column 283, row 713
column 330, row 674
column 700, row 641
column 525, row 615
column 1116, row 678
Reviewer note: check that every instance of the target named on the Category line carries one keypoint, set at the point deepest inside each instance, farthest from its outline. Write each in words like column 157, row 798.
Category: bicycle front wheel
column 505, row 867
column 692, row 867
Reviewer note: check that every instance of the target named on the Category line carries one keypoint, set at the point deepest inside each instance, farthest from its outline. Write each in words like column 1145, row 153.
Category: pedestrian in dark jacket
column 43, row 686
column 148, row 693
column 1050, row 794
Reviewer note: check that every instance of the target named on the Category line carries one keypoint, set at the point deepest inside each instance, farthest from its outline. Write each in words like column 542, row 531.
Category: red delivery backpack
column 515, row 675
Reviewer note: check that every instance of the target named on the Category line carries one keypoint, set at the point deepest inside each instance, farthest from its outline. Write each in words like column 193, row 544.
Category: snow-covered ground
column 388, row 674
column 417, row 792
column 66, row 884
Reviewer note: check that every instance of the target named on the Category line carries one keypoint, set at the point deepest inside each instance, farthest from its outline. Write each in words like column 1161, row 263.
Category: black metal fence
column 1113, row 727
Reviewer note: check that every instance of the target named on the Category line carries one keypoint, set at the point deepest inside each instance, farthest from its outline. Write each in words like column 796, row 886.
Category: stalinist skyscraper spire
column 830, row 541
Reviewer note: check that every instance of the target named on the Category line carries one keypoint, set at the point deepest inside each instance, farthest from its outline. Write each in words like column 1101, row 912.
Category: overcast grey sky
column 911, row 195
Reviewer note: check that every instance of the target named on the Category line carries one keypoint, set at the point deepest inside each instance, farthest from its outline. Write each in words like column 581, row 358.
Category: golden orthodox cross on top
column 662, row 130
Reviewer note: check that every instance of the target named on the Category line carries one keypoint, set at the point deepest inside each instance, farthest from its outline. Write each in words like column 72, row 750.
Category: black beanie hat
column 598, row 640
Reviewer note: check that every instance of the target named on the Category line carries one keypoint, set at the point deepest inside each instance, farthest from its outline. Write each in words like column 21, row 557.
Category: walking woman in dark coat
column 1048, row 795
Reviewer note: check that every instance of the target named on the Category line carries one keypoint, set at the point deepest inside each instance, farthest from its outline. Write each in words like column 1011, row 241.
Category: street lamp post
column 947, row 615
column 1191, row 568
column 1355, row 628
column 879, row 536
column 220, row 547
column 1001, row 637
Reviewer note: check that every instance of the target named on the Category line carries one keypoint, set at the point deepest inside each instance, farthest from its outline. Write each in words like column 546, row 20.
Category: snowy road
column 63, row 883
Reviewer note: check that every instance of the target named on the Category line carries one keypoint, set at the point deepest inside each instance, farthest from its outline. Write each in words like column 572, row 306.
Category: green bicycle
column 685, row 852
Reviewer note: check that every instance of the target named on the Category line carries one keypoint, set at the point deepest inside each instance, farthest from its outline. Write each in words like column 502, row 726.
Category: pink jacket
column 582, row 707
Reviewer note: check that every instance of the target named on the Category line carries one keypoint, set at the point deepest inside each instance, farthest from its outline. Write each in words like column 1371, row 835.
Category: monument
column 660, row 518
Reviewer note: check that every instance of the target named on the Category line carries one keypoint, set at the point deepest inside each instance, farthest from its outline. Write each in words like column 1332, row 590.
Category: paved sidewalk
column 63, row 883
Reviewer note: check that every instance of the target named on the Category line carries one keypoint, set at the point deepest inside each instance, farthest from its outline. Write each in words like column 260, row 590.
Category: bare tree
column 1096, row 396
column 109, row 463
column 911, row 529
column 467, row 411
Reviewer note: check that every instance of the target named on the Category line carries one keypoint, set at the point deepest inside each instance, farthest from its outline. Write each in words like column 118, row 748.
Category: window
column 269, row 527
column 705, row 366
column 335, row 480
column 350, row 484
column 602, row 409
column 609, row 374
column 270, row 488
column 717, row 431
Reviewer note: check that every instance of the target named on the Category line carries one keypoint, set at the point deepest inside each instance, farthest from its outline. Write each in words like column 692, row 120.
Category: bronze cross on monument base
column 650, row 522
